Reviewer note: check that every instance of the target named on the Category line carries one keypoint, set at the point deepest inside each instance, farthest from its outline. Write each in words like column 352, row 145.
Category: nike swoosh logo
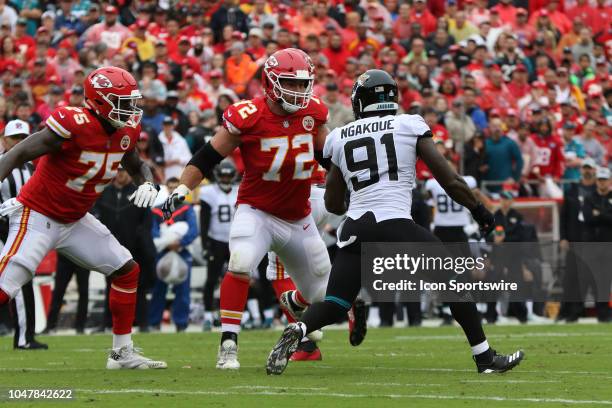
column 60, row 115
column 342, row 244
column 229, row 113
column 305, row 227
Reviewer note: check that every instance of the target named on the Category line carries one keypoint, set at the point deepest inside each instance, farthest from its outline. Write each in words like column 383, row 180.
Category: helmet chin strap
column 288, row 107
column 225, row 186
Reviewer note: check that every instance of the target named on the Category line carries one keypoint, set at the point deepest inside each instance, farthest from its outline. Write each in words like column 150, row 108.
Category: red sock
column 233, row 298
column 280, row 286
column 122, row 301
column 4, row 298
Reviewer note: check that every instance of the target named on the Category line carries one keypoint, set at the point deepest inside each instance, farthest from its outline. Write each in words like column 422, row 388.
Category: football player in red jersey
column 80, row 150
column 279, row 135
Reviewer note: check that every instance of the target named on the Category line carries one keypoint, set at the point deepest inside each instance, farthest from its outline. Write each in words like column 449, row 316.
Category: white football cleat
column 130, row 358
column 227, row 359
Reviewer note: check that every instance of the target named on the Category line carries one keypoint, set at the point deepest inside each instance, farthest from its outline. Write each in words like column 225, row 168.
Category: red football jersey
column 66, row 184
column 549, row 156
column 278, row 154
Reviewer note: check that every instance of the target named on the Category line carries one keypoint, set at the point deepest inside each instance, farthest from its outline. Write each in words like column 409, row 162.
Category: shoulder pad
column 241, row 116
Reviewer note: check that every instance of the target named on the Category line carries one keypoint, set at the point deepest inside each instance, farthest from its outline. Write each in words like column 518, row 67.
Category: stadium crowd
column 517, row 93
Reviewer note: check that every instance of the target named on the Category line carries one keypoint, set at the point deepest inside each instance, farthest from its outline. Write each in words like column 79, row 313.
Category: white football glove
column 145, row 195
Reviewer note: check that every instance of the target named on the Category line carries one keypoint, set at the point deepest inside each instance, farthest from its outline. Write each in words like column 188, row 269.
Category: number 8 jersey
column 67, row 183
column 278, row 155
column 377, row 157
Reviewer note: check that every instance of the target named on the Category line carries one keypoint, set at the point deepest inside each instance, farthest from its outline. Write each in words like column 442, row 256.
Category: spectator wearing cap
column 110, row 32
column 573, row 152
column 504, row 159
column 495, row 95
column 460, row 27
column 183, row 58
column 420, row 14
column 472, row 108
column 228, row 13
column 558, row 19
column 24, row 111
column 150, row 83
column 592, row 146
column 460, row 126
column 140, row 41
column 24, row 41
column 54, row 100
column 597, row 212
column 64, row 64
column 167, row 70
column 259, row 14
column 239, row 68
column 171, row 109
column 215, row 87
column 339, row 113
column 255, row 46
column 336, row 53
column 525, row 32
column 176, row 150
column 39, row 80
column 77, row 96
column 566, row 91
column 201, row 130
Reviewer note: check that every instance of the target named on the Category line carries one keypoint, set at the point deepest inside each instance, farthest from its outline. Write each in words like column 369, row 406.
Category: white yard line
column 344, row 395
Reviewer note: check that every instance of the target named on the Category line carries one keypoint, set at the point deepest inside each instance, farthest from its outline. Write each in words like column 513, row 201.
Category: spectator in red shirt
column 603, row 16
column 558, row 19
column 506, row 11
column 255, row 47
column 182, row 58
column 583, row 12
column 519, row 85
column 549, row 158
column 420, row 14
column 336, row 53
column 402, row 25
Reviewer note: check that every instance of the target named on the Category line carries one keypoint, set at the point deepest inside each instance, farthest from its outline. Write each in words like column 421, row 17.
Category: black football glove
column 484, row 218
column 174, row 200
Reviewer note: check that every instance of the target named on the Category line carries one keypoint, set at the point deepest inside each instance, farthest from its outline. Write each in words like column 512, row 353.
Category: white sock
column 269, row 314
column 253, row 306
column 480, row 348
column 245, row 317
column 529, row 306
column 120, row 340
column 208, row 316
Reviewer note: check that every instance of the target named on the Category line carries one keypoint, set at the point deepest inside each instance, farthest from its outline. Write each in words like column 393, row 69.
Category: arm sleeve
column 155, row 226
column 192, row 232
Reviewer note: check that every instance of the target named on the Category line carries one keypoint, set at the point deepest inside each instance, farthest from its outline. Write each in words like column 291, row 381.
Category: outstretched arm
column 34, row 146
column 453, row 184
column 219, row 147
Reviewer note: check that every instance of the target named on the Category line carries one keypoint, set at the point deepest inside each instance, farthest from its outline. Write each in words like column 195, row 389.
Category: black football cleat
column 500, row 363
column 284, row 349
column 33, row 345
column 357, row 318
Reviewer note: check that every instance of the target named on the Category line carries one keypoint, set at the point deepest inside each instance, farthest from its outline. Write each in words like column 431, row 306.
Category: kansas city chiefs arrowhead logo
column 100, row 81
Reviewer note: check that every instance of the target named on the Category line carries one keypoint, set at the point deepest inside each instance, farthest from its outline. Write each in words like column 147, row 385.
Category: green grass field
column 566, row 365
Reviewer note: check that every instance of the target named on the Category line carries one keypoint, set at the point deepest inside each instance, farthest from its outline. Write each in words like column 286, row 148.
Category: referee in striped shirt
column 23, row 304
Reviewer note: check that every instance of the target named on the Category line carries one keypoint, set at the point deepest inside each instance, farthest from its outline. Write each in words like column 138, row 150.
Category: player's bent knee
column 126, row 272
column 14, row 277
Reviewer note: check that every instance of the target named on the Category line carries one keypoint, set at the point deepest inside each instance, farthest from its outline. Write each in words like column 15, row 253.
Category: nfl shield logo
column 125, row 142
column 286, row 124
